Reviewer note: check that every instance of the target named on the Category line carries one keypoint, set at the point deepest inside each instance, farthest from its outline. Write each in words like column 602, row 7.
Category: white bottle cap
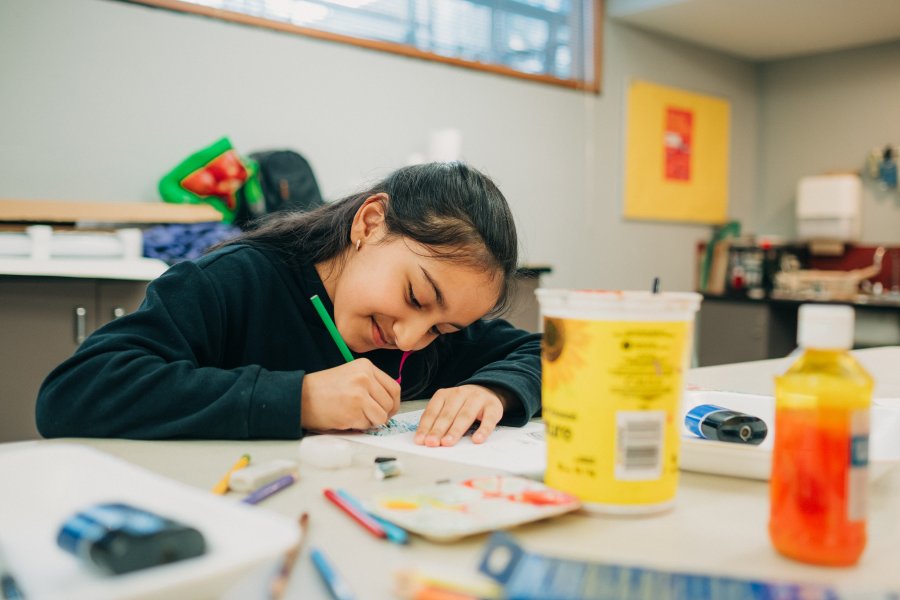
column 825, row 327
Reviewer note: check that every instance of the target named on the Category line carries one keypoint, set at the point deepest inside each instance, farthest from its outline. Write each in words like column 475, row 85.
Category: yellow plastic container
column 613, row 377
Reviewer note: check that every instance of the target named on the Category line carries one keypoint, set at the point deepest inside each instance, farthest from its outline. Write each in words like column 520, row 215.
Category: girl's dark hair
column 451, row 208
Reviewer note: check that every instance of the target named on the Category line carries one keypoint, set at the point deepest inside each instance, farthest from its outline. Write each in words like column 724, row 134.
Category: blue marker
column 336, row 585
column 394, row 533
column 716, row 423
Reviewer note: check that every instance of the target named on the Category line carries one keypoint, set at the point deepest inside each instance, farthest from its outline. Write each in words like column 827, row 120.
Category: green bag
column 218, row 176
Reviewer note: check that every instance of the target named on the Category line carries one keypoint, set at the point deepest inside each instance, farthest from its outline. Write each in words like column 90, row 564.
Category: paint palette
column 452, row 510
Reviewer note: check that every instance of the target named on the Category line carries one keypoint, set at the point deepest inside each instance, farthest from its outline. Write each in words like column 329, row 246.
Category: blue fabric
column 176, row 242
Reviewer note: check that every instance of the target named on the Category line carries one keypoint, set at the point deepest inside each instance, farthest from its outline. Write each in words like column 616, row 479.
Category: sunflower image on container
column 560, row 352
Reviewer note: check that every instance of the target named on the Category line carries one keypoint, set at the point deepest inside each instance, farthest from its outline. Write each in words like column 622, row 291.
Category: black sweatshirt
column 219, row 347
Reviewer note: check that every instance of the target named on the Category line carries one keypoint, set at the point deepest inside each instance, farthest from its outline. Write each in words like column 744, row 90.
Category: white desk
column 757, row 377
column 718, row 526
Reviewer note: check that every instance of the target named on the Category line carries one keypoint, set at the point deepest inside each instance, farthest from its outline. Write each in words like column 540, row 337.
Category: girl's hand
column 452, row 411
column 357, row 395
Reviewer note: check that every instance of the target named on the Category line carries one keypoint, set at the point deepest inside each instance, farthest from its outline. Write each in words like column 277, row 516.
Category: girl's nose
column 410, row 334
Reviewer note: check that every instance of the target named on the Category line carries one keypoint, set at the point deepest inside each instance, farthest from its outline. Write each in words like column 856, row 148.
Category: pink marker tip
column 400, row 369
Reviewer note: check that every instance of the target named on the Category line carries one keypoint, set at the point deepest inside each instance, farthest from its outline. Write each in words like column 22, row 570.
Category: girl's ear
column 369, row 219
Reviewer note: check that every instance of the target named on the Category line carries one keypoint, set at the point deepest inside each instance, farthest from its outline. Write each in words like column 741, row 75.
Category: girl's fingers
column 492, row 415
column 452, row 403
column 432, row 410
column 375, row 414
column 452, row 411
column 390, row 398
column 383, row 398
column 463, row 420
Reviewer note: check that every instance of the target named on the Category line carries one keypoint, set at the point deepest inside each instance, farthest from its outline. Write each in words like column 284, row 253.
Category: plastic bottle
column 820, row 459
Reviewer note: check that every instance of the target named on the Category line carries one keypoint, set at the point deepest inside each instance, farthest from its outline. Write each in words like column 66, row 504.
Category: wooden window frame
column 395, row 48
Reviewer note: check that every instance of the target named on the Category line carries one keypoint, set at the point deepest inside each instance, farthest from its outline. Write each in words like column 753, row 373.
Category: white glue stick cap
column 325, row 452
column 825, row 327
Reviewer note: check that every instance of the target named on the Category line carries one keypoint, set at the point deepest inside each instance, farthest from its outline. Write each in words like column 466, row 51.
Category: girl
column 231, row 347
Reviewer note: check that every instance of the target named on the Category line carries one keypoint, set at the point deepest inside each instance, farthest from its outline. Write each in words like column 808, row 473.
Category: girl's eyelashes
column 415, row 302
column 412, row 298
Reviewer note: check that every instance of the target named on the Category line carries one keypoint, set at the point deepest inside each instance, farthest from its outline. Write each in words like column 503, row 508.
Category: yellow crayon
column 222, row 486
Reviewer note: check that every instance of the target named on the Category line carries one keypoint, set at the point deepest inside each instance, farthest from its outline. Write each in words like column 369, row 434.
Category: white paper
column 518, row 450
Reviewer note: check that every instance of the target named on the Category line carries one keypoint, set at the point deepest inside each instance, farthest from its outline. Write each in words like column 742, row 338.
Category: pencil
column 280, row 581
column 331, row 327
column 337, row 587
column 393, row 532
column 222, row 486
column 358, row 515
column 267, row 490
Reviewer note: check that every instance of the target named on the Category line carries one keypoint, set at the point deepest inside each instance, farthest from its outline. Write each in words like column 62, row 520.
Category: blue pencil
column 394, row 533
column 336, row 585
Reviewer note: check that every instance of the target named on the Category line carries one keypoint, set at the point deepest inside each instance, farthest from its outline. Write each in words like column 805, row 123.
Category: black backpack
column 287, row 181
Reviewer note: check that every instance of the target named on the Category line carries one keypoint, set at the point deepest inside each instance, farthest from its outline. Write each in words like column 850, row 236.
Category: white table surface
column 718, row 525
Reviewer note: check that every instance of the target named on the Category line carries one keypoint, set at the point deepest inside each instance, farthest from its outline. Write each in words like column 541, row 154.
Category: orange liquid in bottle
column 819, row 463
column 819, row 473
column 810, row 519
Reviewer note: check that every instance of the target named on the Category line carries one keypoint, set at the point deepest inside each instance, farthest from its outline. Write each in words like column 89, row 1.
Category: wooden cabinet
column 47, row 304
column 731, row 331
column 737, row 330
column 42, row 320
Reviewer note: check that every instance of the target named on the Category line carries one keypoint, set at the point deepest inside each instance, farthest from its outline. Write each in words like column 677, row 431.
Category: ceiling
column 760, row 30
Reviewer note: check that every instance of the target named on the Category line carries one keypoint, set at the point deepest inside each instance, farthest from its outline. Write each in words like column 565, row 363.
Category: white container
column 828, row 208
column 613, row 367
column 40, row 242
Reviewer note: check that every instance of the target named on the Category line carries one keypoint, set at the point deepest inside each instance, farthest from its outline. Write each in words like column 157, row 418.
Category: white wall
column 100, row 98
column 636, row 251
column 822, row 114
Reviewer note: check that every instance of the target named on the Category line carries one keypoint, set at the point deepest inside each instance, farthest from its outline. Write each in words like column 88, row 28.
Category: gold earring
column 358, row 242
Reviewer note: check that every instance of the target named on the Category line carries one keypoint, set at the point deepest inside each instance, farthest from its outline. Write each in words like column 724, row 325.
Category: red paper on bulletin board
column 676, row 165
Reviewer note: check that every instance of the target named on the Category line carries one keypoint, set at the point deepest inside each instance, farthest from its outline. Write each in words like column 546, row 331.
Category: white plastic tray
column 755, row 462
column 44, row 485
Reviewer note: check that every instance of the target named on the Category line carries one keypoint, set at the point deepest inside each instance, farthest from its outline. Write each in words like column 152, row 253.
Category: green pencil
column 332, row 328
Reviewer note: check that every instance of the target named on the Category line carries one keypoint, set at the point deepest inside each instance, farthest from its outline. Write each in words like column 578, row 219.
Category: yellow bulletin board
column 676, row 161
